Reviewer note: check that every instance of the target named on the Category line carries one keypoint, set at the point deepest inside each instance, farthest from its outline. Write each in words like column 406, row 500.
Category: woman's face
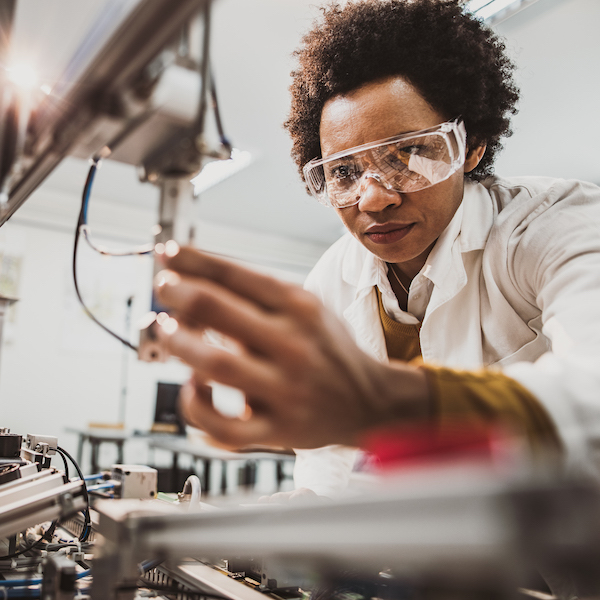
column 397, row 227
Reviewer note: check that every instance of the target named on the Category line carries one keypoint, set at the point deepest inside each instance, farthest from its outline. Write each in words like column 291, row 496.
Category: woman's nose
column 375, row 195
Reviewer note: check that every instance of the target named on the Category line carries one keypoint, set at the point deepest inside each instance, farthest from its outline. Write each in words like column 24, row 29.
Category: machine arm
column 92, row 88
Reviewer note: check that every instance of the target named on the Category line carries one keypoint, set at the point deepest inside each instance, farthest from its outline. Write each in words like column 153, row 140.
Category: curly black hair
column 451, row 57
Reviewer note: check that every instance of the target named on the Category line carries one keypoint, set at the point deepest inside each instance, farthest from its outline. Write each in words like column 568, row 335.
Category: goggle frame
column 446, row 129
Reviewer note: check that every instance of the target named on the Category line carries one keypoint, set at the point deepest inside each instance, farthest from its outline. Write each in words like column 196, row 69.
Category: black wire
column 217, row 113
column 140, row 251
column 81, row 221
column 114, row 143
column 88, row 521
column 66, row 466
column 35, row 544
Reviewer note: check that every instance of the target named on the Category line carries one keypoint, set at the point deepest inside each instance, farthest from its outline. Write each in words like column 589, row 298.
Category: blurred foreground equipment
column 483, row 540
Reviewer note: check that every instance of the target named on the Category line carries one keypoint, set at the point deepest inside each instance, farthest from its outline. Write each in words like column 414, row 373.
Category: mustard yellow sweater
column 477, row 398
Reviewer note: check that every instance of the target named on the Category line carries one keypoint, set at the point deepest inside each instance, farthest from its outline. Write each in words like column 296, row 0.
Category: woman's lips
column 388, row 234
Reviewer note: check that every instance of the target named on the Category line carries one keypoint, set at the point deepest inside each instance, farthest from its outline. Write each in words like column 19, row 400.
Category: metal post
column 5, row 302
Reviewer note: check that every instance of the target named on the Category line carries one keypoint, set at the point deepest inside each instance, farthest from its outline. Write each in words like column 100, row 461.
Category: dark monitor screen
column 166, row 416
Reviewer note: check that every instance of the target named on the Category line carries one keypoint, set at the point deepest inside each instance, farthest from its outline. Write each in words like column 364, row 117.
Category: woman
column 398, row 109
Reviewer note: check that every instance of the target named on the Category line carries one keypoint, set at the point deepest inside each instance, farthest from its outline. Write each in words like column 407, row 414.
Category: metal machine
column 141, row 99
column 31, row 491
column 473, row 538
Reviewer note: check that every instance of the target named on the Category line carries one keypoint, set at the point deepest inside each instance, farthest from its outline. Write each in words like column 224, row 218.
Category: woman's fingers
column 251, row 374
column 201, row 303
column 267, row 291
column 198, row 410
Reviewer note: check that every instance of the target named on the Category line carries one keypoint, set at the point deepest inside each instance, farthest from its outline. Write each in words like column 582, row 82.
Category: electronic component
column 59, row 578
column 135, row 481
column 31, row 491
column 266, row 574
column 39, row 449
column 42, row 496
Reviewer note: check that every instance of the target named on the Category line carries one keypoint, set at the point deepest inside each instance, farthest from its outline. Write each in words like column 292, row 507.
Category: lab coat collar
column 364, row 271
column 467, row 231
column 478, row 217
column 365, row 276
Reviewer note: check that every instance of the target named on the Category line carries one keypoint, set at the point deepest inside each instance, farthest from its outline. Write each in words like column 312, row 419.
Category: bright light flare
column 23, row 76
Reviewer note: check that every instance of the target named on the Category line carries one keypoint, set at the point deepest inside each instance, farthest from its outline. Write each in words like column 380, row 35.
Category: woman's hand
column 306, row 382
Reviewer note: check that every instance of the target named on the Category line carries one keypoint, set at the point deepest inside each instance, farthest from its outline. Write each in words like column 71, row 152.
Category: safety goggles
column 404, row 163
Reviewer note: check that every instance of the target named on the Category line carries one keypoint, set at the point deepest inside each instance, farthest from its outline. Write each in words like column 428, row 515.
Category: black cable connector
column 86, row 513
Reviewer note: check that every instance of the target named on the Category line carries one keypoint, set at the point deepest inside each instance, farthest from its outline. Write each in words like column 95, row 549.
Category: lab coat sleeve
column 326, row 471
column 553, row 258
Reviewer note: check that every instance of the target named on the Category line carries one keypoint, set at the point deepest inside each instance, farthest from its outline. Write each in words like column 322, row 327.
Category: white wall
column 57, row 368
column 556, row 48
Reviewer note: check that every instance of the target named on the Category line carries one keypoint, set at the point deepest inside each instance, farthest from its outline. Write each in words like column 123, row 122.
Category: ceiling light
column 218, row 170
column 492, row 10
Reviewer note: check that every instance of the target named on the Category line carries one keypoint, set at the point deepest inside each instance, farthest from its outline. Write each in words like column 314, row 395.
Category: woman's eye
column 413, row 149
column 341, row 172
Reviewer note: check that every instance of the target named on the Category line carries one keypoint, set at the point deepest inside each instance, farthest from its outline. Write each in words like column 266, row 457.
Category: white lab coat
column 513, row 282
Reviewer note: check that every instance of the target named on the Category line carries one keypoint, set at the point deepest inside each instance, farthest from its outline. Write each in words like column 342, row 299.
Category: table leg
column 80, row 449
column 95, row 446
column 223, row 477
column 249, row 474
column 120, row 458
column 174, row 472
column 279, row 474
column 206, row 476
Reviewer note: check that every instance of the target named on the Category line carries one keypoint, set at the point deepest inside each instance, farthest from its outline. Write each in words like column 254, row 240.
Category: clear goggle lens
column 404, row 163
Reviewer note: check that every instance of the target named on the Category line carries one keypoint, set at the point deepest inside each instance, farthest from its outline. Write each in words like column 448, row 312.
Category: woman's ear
column 474, row 155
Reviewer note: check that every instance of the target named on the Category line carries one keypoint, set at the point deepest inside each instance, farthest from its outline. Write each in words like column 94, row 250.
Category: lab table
column 96, row 436
column 199, row 450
